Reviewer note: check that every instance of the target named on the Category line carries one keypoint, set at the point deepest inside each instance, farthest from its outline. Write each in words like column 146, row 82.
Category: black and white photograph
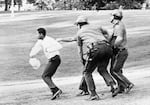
column 74, row 52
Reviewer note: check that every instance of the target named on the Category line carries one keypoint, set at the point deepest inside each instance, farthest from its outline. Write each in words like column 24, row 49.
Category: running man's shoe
column 56, row 95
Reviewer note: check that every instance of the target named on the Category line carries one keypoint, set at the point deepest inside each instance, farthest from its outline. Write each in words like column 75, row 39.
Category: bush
column 63, row 5
column 110, row 6
column 136, row 5
column 133, row 5
column 59, row 5
column 78, row 6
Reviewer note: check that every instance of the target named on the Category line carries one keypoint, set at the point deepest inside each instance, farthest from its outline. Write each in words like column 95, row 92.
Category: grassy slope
column 17, row 38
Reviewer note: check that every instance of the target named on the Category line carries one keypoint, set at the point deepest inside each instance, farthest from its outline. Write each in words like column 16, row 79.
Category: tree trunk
column 6, row 5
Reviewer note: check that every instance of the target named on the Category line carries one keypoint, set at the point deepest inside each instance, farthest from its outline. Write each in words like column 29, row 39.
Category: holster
column 93, row 48
column 115, row 50
column 90, row 52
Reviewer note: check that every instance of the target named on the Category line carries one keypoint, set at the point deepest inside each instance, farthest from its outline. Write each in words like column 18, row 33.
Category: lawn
column 19, row 34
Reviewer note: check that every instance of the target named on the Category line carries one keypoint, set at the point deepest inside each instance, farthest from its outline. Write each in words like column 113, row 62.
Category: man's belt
column 93, row 46
column 99, row 43
column 117, row 50
column 103, row 42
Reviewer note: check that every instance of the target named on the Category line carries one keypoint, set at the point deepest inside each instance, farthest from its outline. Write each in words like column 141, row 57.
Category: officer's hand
column 115, row 50
column 83, row 61
column 59, row 39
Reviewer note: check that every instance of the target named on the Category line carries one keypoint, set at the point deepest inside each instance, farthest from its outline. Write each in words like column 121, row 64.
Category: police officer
column 93, row 45
column 118, row 41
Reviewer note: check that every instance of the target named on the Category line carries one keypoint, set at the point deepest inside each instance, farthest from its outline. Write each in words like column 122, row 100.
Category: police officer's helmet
column 81, row 19
column 117, row 14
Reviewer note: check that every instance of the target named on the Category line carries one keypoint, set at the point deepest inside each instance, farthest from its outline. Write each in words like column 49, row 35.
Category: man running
column 51, row 49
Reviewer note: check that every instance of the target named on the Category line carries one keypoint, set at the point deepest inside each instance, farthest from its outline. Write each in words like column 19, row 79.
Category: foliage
column 131, row 4
column 8, row 3
column 18, row 2
column 83, row 4
column 59, row 5
column 111, row 6
column 98, row 4
column 31, row 1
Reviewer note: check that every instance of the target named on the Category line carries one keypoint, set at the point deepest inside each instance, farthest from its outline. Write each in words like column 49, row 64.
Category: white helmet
column 81, row 19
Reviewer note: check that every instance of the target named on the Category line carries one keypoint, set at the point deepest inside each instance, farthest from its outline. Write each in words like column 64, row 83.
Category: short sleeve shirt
column 89, row 34
column 120, row 30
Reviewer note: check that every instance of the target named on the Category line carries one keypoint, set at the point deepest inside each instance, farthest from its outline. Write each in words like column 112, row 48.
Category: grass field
column 18, row 35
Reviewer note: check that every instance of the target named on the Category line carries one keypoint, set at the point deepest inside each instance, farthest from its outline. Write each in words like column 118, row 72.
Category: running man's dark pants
column 50, row 71
column 117, row 64
column 100, row 59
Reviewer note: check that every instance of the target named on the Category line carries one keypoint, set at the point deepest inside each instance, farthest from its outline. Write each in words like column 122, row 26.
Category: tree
column 19, row 3
column 127, row 4
column 130, row 4
column 8, row 4
column 31, row 1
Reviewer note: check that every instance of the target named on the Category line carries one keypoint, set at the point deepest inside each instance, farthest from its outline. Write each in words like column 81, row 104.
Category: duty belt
column 101, row 42
column 92, row 45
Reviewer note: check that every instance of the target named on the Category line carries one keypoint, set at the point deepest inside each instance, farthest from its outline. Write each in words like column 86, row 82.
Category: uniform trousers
column 117, row 64
column 99, row 57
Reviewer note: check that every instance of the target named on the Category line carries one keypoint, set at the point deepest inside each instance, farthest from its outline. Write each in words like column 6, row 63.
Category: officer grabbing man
column 95, row 52
column 118, row 41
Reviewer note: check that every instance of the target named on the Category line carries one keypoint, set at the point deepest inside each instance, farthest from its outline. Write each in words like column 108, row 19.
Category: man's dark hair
column 42, row 31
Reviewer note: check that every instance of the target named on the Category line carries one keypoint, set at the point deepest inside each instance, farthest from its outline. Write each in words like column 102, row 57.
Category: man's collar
column 45, row 37
column 116, row 23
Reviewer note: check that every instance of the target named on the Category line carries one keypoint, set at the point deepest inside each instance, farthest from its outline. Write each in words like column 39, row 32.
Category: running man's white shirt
column 49, row 46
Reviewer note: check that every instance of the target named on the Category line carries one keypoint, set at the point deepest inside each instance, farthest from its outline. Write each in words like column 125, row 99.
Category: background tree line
column 83, row 4
column 104, row 4
column 16, row 2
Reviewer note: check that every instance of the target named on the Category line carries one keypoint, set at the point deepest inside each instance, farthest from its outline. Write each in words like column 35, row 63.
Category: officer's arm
column 80, row 48
column 106, row 33
column 120, row 36
column 67, row 39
